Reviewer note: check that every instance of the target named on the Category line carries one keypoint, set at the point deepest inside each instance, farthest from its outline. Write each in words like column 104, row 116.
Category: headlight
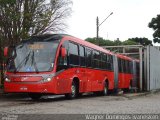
column 7, row 80
column 47, row 79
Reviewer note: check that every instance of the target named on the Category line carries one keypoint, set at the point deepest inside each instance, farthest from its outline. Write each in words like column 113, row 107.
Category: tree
column 129, row 42
column 117, row 42
column 92, row 40
column 100, row 41
column 20, row 19
column 141, row 41
column 155, row 25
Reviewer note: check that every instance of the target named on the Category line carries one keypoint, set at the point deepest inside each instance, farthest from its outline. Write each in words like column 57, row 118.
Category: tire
column 74, row 91
column 105, row 89
column 35, row 96
column 80, row 95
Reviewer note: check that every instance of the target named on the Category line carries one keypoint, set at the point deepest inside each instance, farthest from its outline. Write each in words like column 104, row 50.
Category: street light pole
column 98, row 25
column 97, row 21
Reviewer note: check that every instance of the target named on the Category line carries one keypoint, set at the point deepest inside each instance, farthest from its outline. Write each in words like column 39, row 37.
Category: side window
column 124, row 66
column 73, row 54
column 137, row 68
column 73, row 49
column 119, row 65
column 96, row 59
column 127, row 69
column 130, row 66
column 104, row 61
column 100, row 60
column 82, row 55
column 109, row 62
column 88, row 57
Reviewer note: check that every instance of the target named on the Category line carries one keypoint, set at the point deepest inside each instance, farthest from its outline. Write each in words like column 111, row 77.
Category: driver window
column 62, row 62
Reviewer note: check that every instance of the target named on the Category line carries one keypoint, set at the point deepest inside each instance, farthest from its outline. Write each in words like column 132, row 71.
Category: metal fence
column 152, row 68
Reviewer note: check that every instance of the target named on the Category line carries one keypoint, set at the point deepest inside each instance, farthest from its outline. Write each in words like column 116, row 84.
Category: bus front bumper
column 13, row 87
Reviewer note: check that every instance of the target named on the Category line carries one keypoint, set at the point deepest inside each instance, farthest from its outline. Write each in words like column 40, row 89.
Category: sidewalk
column 134, row 95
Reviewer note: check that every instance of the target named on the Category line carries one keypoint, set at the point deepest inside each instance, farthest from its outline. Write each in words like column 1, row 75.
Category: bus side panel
column 65, row 80
column 124, row 80
column 121, row 80
column 127, row 81
column 89, row 80
column 97, row 78
column 110, row 78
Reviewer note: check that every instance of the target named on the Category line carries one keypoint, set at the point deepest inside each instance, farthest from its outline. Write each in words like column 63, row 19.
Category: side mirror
column 6, row 51
column 63, row 52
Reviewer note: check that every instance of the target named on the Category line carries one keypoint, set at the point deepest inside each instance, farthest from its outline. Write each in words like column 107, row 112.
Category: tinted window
column 96, row 59
column 109, row 62
column 88, row 57
column 131, row 66
column 137, row 68
column 104, row 57
column 73, row 54
column 124, row 66
column 120, row 65
column 73, row 49
column 82, row 55
column 103, row 63
column 96, row 55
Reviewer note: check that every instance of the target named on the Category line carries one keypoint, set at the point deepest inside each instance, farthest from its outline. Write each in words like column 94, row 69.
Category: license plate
column 23, row 88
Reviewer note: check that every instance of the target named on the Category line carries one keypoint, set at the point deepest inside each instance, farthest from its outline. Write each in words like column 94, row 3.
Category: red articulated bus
column 62, row 64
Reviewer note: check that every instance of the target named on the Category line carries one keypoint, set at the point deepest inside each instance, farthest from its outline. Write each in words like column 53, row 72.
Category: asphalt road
column 87, row 104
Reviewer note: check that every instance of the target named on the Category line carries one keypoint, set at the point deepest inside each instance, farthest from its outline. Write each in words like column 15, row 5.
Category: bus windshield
column 33, row 56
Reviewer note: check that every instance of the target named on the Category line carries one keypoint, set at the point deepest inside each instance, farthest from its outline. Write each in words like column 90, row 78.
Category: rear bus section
column 125, row 72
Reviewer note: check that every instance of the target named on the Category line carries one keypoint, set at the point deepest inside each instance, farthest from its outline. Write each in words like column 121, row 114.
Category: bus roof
column 87, row 44
column 124, row 57
column 82, row 42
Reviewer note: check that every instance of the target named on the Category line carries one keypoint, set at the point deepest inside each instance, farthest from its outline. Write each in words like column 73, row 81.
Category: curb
column 133, row 95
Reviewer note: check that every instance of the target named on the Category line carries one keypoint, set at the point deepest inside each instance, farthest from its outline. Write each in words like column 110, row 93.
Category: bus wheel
column 35, row 96
column 73, row 93
column 105, row 89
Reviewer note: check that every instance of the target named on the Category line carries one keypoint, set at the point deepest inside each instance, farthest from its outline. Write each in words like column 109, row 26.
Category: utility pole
column 98, row 25
column 97, row 21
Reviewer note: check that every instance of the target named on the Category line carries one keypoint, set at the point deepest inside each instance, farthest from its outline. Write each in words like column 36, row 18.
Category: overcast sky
column 130, row 18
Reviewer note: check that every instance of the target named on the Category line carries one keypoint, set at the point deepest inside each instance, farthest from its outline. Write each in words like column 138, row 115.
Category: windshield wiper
column 23, row 61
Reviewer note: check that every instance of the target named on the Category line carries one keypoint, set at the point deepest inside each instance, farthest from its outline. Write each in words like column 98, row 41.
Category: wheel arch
column 77, row 82
column 107, row 81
